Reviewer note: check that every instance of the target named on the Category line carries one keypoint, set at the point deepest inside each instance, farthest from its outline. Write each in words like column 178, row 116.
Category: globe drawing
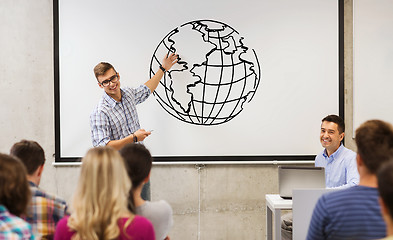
column 216, row 75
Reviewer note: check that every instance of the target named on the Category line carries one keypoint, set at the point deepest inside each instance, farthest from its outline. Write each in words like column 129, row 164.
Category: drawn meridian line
column 219, row 82
column 229, row 90
column 154, row 58
column 241, row 98
column 208, row 86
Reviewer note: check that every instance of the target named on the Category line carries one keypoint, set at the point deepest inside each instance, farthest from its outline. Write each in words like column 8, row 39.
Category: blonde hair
column 101, row 196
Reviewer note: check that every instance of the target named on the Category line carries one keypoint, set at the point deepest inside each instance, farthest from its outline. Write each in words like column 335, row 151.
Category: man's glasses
column 112, row 79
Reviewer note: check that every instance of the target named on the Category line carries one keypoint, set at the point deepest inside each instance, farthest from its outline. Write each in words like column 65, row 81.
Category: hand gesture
column 169, row 61
column 141, row 134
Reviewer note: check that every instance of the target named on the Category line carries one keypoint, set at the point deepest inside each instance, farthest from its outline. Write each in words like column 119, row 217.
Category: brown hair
column 138, row 163
column 30, row 153
column 101, row 68
column 14, row 188
column 337, row 120
column 374, row 140
column 385, row 183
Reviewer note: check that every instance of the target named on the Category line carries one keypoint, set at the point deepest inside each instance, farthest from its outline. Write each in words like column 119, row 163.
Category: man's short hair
column 14, row 188
column 138, row 162
column 30, row 153
column 374, row 140
column 337, row 120
column 385, row 183
column 101, row 68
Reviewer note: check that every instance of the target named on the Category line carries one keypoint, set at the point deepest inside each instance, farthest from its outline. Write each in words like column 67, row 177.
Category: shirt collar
column 335, row 154
column 110, row 101
column 32, row 184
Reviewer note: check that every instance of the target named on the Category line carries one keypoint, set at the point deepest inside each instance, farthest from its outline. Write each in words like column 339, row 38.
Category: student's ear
column 40, row 170
column 147, row 178
column 359, row 160
column 99, row 84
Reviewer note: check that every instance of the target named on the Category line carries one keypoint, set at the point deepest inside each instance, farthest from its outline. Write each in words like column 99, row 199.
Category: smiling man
column 114, row 121
column 339, row 162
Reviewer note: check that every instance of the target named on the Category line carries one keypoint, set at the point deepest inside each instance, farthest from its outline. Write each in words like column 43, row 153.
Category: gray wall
column 214, row 202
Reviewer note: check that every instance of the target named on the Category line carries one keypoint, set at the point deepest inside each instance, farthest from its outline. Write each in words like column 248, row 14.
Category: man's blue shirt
column 340, row 168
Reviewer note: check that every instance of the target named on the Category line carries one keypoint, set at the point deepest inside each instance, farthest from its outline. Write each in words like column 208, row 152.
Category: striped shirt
column 112, row 120
column 13, row 227
column 352, row 213
column 44, row 211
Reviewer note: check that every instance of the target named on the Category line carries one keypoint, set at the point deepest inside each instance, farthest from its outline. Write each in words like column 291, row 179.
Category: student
column 138, row 164
column 339, row 163
column 100, row 202
column 354, row 213
column 44, row 210
column 14, row 197
column 385, row 183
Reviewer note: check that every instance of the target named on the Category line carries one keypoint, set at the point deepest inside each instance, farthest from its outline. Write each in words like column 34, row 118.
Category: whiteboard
column 372, row 61
column 290, row 59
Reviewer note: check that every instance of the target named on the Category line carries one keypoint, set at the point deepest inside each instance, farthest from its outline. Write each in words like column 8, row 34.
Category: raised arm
column 167, row 63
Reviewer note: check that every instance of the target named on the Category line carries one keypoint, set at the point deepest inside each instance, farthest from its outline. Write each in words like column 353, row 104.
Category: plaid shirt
column 112, row 120
column 44, row 211
column 13, row 227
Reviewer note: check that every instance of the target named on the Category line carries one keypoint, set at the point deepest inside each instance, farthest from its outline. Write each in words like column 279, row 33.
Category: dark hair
column 374, row 140
column 138, row 163
column 336, row 119
column 30, row 153
column 101, row 68
column 385, row 183
column 14, row 188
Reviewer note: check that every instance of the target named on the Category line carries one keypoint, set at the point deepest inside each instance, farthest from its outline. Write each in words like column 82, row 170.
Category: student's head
column 385, row 183
column 374, row 140
column 101, row 195
column 138, row 162
column 30, row 153
column 332, row 132
column 14, row 188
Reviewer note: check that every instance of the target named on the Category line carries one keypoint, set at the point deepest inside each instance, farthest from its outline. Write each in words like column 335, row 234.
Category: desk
column 274, row 205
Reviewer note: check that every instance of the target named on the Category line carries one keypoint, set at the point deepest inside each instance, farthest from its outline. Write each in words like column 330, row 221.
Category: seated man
column 385, row 183
column 354, row 213
column 44, row 210
column 339, row 162
column 138, row 162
